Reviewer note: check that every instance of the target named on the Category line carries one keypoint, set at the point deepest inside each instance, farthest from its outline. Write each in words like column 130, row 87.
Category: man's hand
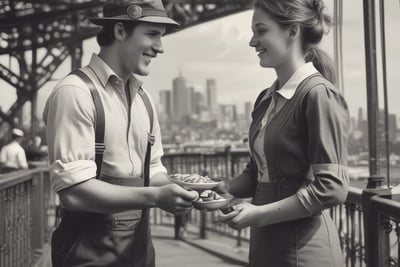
column 175, row 199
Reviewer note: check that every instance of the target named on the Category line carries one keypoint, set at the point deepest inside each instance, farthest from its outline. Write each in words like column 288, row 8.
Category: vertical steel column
column 377, row 246
column 338, row 43
column 385, row 93
column 75, row 50
column 34, row 81
column 371, row 82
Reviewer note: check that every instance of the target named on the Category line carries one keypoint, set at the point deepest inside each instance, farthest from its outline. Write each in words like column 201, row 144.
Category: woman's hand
column 244, row 215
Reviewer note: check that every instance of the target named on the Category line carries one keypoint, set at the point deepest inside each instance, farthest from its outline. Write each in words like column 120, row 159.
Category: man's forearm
column 100, row 197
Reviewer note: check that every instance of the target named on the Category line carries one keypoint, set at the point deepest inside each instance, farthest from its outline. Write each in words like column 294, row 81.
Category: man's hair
column 105, row 36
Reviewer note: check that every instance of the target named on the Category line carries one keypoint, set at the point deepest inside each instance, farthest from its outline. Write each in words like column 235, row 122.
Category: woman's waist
column 268, row 192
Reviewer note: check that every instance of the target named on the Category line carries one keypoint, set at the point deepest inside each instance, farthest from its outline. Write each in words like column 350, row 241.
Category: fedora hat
column 134, row 10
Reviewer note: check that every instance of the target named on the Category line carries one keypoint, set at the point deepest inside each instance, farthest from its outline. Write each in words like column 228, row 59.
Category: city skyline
column 219, row 49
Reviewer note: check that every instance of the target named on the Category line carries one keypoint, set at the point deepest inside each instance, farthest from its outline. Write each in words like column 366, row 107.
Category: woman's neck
column 286, row 70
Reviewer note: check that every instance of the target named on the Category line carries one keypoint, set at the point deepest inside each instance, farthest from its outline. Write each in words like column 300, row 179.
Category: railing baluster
column 352, row 232
column 360, row 247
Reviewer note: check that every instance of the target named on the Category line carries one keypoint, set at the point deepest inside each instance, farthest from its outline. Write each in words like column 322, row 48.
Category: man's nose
column 158, row 47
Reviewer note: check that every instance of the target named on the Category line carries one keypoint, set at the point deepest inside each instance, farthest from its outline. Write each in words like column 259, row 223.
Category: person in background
column 12, row 155
column 35, row 151
column 298, row 143
column 104, row 221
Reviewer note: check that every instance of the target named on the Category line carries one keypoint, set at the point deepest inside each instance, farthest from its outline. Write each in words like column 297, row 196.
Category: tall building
column 211, row 94
column 248, row 108
column 166, row 103
column 181, row 98
column 228, row 112
column 197, row 102
column 360, row 117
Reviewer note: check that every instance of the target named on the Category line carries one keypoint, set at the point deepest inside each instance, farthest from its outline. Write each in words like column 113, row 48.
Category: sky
column 219, row 49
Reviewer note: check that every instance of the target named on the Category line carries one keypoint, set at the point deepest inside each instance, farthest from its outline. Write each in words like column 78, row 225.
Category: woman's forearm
column 287, row 209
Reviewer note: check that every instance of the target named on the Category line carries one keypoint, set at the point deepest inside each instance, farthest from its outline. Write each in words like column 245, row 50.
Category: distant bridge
column 58, row 28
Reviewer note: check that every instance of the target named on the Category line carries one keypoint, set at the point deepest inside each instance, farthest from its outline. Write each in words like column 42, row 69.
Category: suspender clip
column 99, row 148
column 151, row 138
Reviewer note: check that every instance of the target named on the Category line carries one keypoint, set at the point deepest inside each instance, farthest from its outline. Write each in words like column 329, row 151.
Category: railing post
column 239, row 238
column 377, row 248
column 228, row 162
column 203, row 223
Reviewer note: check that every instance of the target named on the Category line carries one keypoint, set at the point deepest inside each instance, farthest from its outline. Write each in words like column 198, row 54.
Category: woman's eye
column 261, row 30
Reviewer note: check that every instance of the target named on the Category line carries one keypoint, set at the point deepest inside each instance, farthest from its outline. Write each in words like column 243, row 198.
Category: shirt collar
column 289, row 88
column 105, row 73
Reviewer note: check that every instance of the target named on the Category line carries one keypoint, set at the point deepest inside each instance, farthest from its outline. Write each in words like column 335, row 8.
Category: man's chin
column 142, row 72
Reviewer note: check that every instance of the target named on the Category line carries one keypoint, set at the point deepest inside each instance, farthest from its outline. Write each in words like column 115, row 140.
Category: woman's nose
column 252, row 42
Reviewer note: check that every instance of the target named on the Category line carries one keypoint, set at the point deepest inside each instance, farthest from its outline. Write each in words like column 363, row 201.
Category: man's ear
column 119, row 31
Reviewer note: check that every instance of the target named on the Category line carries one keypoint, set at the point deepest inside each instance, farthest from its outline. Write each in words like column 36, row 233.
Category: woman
column 298, row 143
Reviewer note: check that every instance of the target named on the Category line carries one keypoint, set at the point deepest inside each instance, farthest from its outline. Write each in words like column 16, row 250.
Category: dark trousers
column 86, row 239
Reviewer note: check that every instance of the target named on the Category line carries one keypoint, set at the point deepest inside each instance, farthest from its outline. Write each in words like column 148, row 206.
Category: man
column 104, row 221
column 12, row 156
column 35, row 151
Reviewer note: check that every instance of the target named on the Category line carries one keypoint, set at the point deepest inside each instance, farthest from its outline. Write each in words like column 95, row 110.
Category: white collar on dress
column 289, row 88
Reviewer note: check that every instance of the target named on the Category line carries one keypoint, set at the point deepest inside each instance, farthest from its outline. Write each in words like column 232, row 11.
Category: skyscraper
column 181, row 98
column 211, row 94
column 166, row 103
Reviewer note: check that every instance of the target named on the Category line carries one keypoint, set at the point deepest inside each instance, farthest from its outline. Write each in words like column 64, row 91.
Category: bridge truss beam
column 41, row 34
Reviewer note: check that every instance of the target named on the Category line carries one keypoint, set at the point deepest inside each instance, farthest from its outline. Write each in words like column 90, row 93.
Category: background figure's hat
column 17, row 132
column 134, row 10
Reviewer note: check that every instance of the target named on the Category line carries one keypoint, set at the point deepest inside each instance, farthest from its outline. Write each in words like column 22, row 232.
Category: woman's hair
column 105, row 36
column 314, row 23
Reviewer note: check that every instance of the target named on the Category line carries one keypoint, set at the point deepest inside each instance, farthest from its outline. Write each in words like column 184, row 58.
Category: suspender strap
column 100, row 125
column 142, row 244
column 99, row 121
column 150, row 137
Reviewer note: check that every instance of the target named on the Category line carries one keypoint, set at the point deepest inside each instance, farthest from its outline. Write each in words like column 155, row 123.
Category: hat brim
column 151, row 19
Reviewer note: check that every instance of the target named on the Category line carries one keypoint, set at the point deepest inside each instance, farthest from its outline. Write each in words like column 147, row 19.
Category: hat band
column 122, row 11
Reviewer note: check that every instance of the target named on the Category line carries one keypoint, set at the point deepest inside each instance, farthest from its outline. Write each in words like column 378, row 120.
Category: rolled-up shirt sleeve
column 69, row 116
column 327, row 124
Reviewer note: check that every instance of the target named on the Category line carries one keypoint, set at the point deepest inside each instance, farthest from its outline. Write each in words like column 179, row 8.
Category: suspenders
column 100, row 125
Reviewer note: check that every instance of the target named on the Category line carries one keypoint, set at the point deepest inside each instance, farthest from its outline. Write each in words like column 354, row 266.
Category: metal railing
column 368, row 223
column 27, row 208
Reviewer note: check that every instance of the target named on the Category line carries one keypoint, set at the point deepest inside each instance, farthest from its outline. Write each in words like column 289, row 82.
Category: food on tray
column 192, row 178
column 209, row 195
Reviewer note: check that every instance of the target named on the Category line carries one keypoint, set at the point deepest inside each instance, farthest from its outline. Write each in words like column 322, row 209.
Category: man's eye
column 154, row 34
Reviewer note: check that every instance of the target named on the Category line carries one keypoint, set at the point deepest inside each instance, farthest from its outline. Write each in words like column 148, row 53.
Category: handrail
column 31, row 191
column 386, row 206
column 354, row 196
column 17, row 177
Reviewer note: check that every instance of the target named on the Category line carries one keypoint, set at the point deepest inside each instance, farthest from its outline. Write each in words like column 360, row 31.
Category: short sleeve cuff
column 308, row 197
column 310, row 203
column 156, row 169
column 63, row 175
